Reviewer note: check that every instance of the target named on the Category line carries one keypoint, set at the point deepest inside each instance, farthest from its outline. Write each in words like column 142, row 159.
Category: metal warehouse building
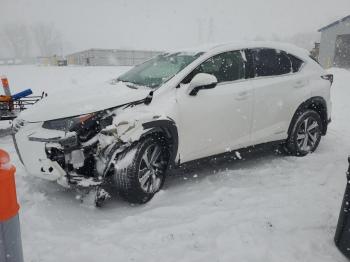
column 335, row 44
column 110, row 57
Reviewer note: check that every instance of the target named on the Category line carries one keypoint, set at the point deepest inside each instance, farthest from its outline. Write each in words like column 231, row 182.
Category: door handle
column 299, row 84
column 242, row 95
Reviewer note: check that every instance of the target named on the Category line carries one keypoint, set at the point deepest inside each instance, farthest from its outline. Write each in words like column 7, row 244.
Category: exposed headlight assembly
column 86, row 126
column 66, row 124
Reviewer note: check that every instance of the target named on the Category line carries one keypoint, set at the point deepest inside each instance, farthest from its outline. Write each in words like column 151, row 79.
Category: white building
column 335, row 44
column 110, row 57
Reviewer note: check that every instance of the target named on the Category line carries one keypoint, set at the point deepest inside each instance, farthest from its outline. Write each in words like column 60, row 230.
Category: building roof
column 112, row 50
column 334, row 23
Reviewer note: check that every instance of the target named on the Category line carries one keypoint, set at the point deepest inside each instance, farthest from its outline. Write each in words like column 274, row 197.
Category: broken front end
column 76, row 152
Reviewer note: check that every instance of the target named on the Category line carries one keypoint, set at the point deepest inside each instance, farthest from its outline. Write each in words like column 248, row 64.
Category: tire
column 139, row 172
column 305, row 134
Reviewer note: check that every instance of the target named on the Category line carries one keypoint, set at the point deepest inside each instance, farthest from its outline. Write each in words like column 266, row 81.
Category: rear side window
column 271, row 62
column 296, row 63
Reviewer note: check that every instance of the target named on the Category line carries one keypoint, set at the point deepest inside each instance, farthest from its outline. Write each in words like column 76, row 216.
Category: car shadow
column 185, row 175
column 244, row 159
column 195, row 171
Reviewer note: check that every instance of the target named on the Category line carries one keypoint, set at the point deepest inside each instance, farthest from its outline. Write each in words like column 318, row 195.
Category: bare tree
column 47, row 38
column 18, row 40
column 211, row 30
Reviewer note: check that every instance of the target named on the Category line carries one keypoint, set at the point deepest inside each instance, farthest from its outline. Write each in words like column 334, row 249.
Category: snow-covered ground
column 266, row 207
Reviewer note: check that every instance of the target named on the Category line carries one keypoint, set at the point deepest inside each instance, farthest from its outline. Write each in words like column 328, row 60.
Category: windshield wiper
column 135, row 85
column 131, row 85
column 128, row 84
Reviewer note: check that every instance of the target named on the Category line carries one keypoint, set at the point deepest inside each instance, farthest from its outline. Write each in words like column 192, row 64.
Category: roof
column 334, row 23
column 239, row 45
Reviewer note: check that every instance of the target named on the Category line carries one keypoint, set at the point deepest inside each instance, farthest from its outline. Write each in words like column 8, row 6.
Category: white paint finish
column 215, row 120
column 78, row 101
column 201, row 79
column 276, row 100
column 33, row 153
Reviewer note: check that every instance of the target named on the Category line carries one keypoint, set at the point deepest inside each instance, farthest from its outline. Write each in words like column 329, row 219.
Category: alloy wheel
column 308, row 134
column 151, row 169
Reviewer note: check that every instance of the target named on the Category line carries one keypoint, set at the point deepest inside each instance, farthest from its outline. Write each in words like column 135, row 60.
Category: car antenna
column 149, row 98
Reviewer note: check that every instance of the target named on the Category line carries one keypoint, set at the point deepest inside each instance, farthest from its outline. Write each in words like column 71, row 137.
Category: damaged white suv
column 175, row 108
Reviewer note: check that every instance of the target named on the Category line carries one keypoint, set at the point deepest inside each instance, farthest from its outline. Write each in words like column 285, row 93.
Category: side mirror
column 201, row 81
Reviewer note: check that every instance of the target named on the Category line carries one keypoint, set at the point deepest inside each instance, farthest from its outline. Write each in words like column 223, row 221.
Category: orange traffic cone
column 10, row 235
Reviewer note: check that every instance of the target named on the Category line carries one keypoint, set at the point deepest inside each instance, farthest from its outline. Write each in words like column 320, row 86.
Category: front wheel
column 139, row 173
column 305, row 134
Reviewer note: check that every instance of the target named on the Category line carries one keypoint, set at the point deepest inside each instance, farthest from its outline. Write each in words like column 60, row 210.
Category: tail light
column 328, row 77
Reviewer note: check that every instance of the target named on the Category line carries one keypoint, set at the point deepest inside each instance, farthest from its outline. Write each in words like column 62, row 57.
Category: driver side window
column 228, row 66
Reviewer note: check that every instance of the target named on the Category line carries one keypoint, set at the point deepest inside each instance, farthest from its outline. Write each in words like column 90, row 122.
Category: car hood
column 83, row 100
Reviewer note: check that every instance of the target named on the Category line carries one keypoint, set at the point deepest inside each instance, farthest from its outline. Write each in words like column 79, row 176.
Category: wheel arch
column 317, row 104
column 168, row 129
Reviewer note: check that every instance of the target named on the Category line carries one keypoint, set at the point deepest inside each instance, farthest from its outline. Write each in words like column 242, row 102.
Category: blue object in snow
column 22, row 94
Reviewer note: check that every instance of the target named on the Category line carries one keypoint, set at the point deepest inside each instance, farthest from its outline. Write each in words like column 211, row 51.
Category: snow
column 126, row 160
column 56, row 79
column 237, row 45
column 264, row 207
column 77, row 158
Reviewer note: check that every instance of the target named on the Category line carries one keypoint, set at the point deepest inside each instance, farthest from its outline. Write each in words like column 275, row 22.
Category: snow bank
column 264, row 207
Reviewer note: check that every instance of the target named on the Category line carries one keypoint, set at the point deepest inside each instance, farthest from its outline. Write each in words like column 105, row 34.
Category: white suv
column 175, row 108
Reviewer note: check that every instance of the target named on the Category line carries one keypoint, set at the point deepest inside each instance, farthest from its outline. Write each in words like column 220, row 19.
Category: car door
column 219, row 119
column 278, row 90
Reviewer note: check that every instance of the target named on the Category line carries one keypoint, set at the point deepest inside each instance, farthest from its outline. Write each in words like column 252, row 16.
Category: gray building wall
column 328, row 41
column 110, row 57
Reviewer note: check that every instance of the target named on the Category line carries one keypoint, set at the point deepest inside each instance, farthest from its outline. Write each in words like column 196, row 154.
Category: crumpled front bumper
column 31, row 151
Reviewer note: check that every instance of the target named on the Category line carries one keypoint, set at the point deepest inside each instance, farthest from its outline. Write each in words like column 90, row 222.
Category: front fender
column 129, row 125
column 132, row 126
column 169, row 129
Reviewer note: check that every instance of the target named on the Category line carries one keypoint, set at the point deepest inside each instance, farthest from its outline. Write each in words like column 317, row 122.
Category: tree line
column 21, row 40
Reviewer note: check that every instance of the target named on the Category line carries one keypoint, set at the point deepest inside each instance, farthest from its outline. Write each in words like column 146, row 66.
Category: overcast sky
column 163, row 24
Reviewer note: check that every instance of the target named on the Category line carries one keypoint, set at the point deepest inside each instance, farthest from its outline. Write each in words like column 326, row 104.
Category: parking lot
column 264, row 207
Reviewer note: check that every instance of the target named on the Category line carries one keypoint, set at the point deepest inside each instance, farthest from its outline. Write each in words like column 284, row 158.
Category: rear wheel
column 139, row 173
column 306, row 133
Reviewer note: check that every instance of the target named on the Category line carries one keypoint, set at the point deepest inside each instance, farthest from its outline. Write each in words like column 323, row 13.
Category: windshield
column 157, row 71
